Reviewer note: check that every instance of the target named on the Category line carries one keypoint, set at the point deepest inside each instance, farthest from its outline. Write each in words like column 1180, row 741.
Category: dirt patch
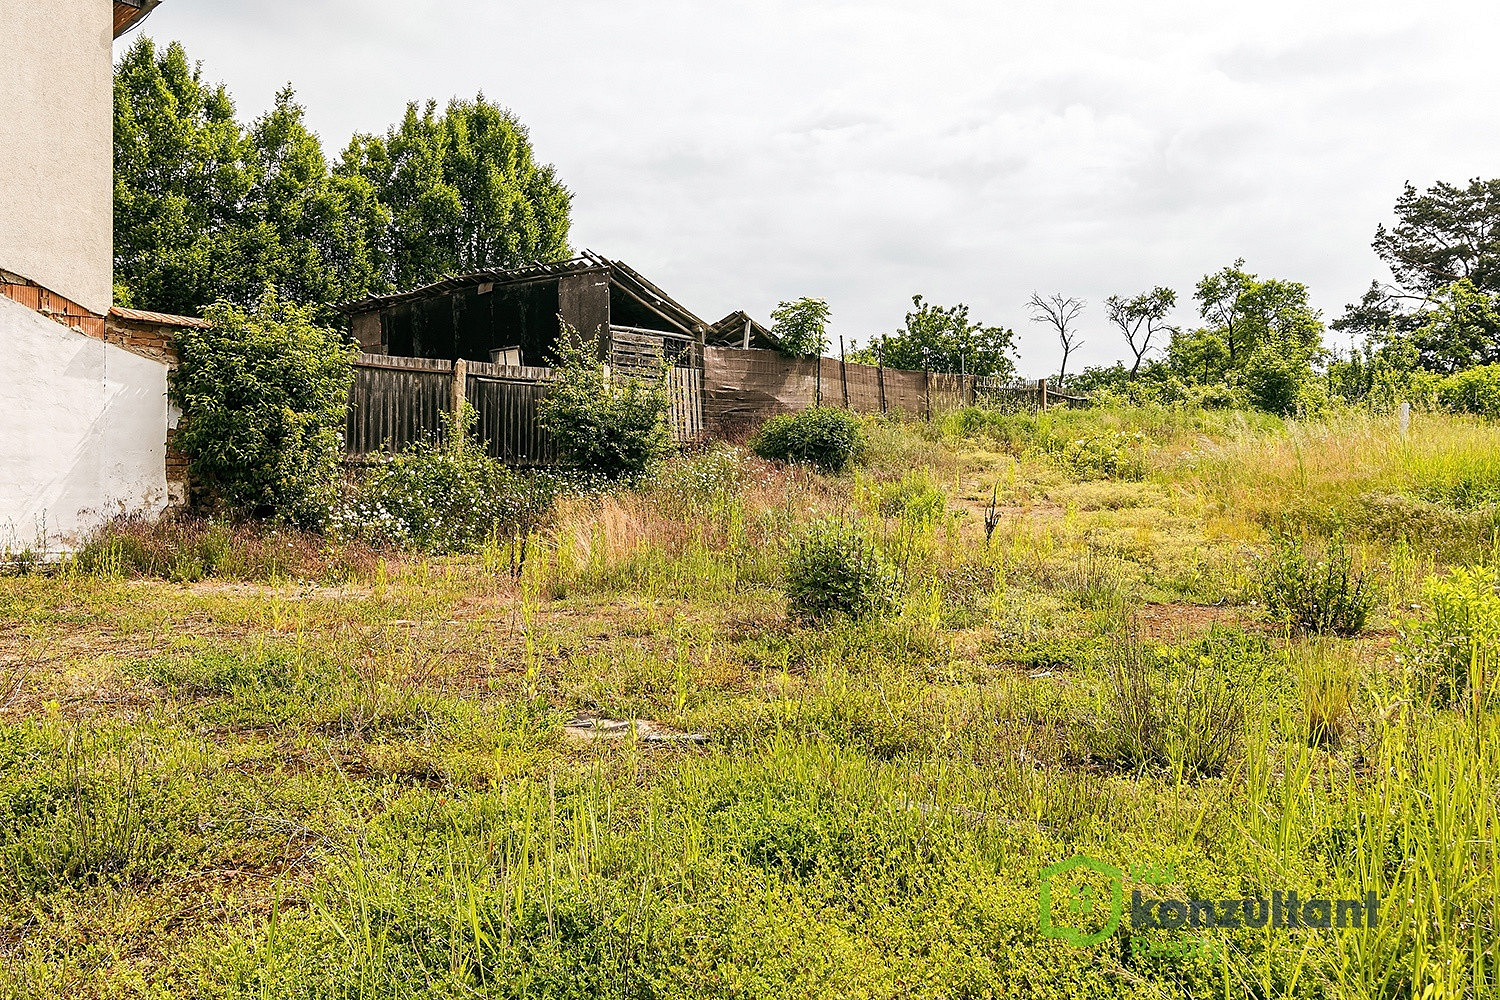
column 1177, row 622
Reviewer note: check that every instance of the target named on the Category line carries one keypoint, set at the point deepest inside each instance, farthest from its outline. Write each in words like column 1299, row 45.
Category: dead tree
column 1059, row 313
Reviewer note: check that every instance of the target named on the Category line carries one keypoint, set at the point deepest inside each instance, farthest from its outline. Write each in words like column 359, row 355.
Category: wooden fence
column 728, row 391
column 395, row 402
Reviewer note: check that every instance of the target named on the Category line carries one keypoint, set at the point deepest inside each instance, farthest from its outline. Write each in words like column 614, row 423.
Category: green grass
column 359, row 782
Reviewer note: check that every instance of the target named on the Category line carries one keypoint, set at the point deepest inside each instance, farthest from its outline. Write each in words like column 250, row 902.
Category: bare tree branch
column 1059, row 313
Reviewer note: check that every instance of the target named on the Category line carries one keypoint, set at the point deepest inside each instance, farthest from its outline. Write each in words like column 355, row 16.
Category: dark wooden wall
column 583, row 303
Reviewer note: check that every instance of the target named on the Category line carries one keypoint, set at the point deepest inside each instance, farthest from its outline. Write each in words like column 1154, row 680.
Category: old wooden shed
column 498, row 332
column 512, row 317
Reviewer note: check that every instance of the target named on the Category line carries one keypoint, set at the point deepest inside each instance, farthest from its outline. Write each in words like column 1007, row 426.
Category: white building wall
column 82, row 432
column 56, row 146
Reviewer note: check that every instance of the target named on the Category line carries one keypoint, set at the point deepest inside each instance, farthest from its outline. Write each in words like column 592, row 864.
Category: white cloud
column 740, row 153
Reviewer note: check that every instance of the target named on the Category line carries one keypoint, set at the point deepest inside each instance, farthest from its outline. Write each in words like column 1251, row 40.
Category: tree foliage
column 181, row 182
column 1443, row 252
column 208, row 210
column 945, row 339
column 264, row 394
column 464, row 192
column 801, row 327
column 1261, row 346
column 1140, row 319
column 1460, row 329
column 1444, row 235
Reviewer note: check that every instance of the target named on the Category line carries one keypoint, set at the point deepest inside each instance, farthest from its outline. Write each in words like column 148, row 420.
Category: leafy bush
column 1451, row 649
column 1475, row 391
column 447, row 497
column 1319, row 593
column 1277, row 379
column 827, row 438
column 834, row 570
column 264, row 396
column 602, row 421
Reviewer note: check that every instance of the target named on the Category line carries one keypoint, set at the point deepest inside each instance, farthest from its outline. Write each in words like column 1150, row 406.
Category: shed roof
column 159, row 319
column 629, row 280
column 731, row 332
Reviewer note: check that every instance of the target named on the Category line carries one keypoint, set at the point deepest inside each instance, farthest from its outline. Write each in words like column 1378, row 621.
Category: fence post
column 880, row 376
column 818, row 383
column 926, row 385
column 843, row 373
column 1042, row 386
column 458, row 396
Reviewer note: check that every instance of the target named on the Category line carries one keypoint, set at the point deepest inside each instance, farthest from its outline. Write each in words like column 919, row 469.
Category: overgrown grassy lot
column 362, row 782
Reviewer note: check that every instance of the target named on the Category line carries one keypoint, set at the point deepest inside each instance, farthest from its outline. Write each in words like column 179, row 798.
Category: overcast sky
column 743, row 153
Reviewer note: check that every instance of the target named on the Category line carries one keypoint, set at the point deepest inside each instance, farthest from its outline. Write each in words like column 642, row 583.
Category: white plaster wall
column 83, row 430
column 57, row 146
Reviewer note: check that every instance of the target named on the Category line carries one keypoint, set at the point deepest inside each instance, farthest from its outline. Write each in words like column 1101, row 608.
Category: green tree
column 1444, row 235
column 1444, row 254
column 264, row 395
column 313, row 236
column 945, row 339
column 1198, row 356
column 207, row 211
column 1140, row 319
column 801, row 327
column 1243, row 312
column 181, row 182
column 464, row 192
column 1460, row 329
column 1223, row 298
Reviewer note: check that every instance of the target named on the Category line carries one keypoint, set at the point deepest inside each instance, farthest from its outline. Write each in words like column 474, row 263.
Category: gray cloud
column 743, row 152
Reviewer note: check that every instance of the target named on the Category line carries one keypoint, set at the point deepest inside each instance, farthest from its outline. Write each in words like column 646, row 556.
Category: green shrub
column 1448, row 652
column 913, row 496
column 1278, row 379
column 1112, row 455
column 834, row 570
column 1318, row 593
column 447, row 497
column 801, row 327
column 264, row 396
column 824, row 437
column 1475, row 391
column 1176, row 711
column 601, row 421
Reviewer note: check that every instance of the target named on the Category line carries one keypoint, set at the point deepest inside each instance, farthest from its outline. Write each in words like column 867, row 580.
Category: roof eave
column 129, row 13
